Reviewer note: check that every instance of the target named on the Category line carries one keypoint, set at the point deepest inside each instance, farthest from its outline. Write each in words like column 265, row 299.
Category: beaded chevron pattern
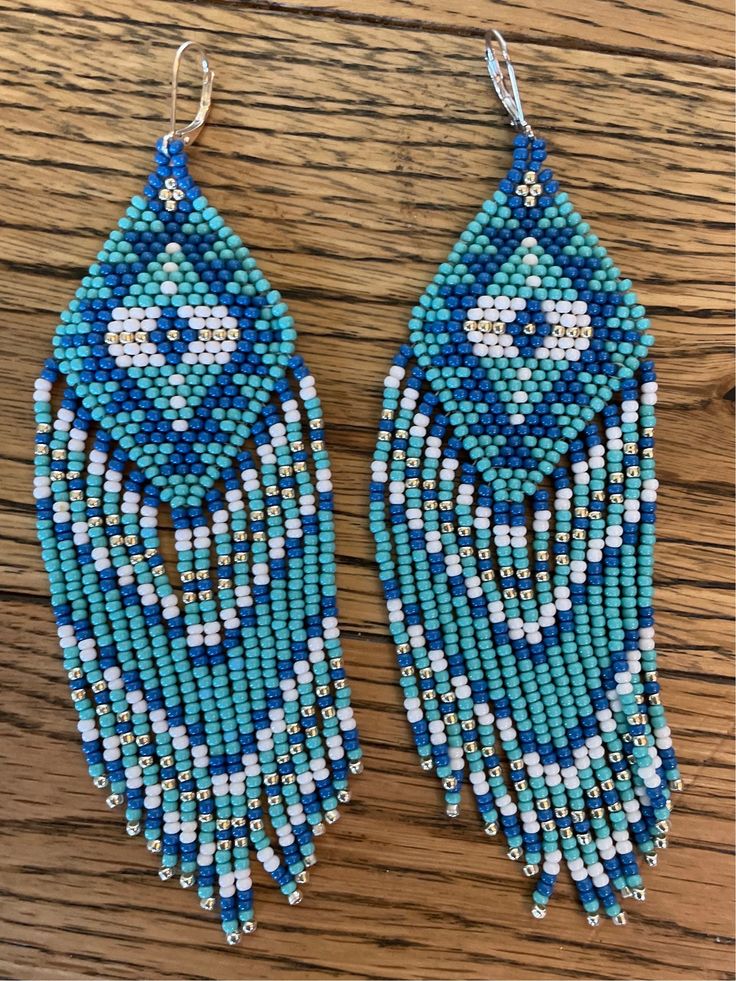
column 512, row 502
column 209, row 685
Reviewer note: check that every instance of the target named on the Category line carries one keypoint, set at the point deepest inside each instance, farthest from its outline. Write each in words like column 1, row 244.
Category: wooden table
column 350, row 141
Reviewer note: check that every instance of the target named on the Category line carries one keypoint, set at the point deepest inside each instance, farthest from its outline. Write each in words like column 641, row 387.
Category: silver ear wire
column 503, row 76
column 189, row 133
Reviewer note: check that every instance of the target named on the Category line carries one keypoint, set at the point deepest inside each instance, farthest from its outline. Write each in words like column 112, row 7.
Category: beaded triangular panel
column 174, row 336
column 512, row 501
column 207, row 672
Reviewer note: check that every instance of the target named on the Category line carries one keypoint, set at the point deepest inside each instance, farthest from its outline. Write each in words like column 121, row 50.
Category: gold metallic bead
column 78, row 694
column 154, row 847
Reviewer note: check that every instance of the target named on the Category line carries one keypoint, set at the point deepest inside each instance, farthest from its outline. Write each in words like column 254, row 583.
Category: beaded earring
column 209, row 684
column 512, row 502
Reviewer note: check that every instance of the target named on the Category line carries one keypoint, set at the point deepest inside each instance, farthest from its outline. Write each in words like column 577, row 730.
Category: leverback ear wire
column 511, row 100
column 190, row 132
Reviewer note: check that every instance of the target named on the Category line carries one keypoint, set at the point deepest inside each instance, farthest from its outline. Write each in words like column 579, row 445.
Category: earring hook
column 190, row 132
column 511, row 100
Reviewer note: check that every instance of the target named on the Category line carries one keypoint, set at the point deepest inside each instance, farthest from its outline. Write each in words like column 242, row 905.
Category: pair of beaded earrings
column 209, row 683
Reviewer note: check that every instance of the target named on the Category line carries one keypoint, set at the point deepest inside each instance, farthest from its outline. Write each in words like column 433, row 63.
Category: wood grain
column 350, row 141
